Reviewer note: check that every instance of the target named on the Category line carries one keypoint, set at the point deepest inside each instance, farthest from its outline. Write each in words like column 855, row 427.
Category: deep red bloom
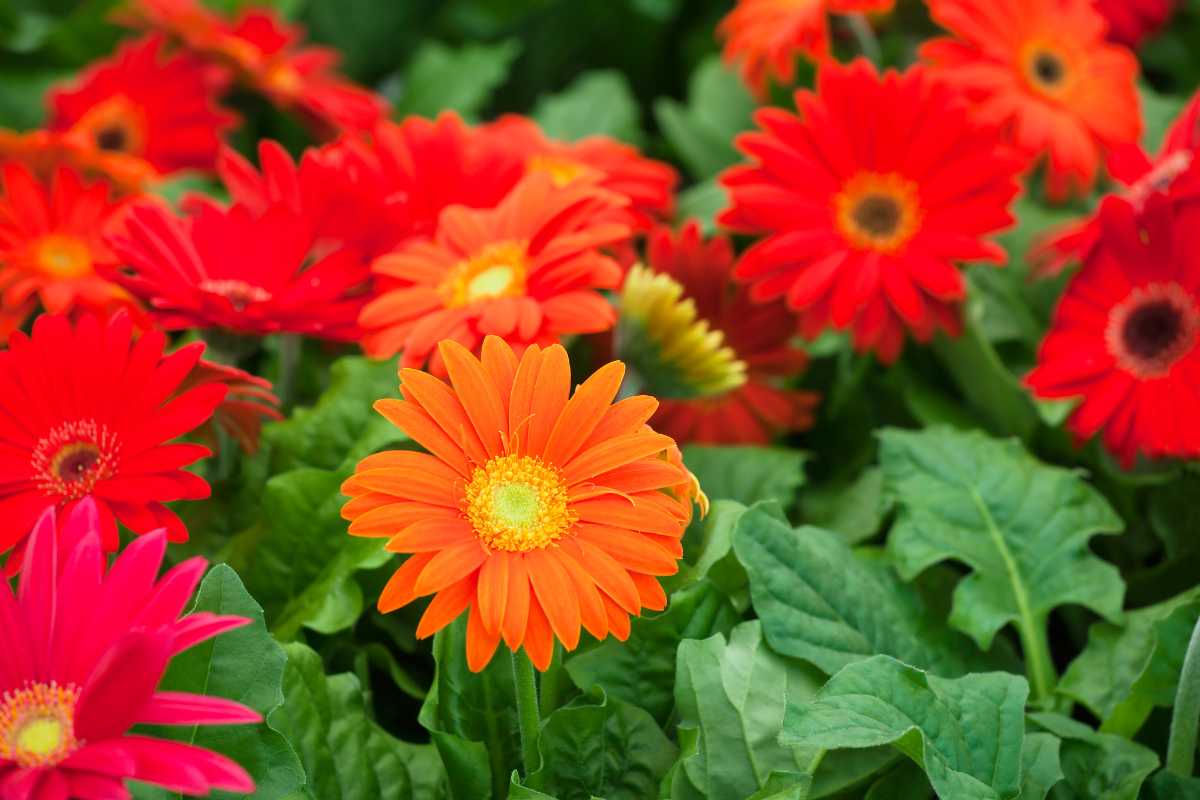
column 759, row 334
column 1131, row 21
column 868, row 200
column 1176, row 171
column 1124, row 337
column 249, row 401
column 84, row 651
column 648, row 184
column 84, row 411
column 142, row 103
column 51, row 245
column 1043, row 71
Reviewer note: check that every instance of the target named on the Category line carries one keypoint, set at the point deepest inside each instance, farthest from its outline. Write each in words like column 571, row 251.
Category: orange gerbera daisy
column 1042, row 70
column 527, row 270
column 45, row 151
column 535, row 512
column 765, row 36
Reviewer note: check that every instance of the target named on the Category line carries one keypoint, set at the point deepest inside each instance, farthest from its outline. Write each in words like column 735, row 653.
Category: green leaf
column 1158, row 113
column 642, row 670
column 1041, row 767
column 1097, row 766
column 245, row 665
column 703, row 202
column 990, row 389
column 855, row 509
column 821, row 601
column 1020, row 525
column 460, row 79
column 598, row 102
column 709, row 546
column 1127, row 670
column 747, row 474
column 966, row 733
column 702, row 131
column 1169, row 786
column 346, row 755
column 906, row 781
column 603, row 747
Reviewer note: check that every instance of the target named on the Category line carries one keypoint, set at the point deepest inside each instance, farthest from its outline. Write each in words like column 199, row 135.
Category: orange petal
column 618, row 618
column 552, row 389
column 555, row 592
column 450, row 565
column 362, row 504
column 481, row 643
column 432, row 534
column 520, row 404
column 612, row 578
column 539, row 639
column 399, row 589
column 613, row 453
column 632, row 550
column 478, row 395
column 591, row 607
column 387, row 521
column 624, row 416
column 583, row 413
column 501, row 365
column 443, row 407
column 445, row 607
column 642, row 476
column 410, row 483
column 627, row 513
column 493, row 590
column 651, row 592
column 409, row 417
column 516, row 610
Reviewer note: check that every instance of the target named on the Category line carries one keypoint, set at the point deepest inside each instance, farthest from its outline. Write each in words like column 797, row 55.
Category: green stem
column 1038, row 664
column 495, row 745
column 525, row 685
column 864, row 34
column 815, row 764
column 1185, row 718
column 290, row 345
column 552, row 682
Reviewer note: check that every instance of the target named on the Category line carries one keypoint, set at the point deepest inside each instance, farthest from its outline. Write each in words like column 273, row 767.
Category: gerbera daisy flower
column 43, row 152
column 84, row 651
column 84, row 412
column 764, row 37
column 1131, row 21
column 1043, row 71
column 528, row 270
column 51, row 244
column 534, row 513
column 1124, row 336
column 868, row 200
column 141, row 103
column 1176, row 171
column 232, row 269
column 249, row 401
column 712, row 357
column 648, row 184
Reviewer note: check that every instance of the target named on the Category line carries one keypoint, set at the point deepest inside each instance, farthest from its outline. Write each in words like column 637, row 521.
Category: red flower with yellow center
column 145, row 104
column 1043, row 71
column 765, row 36
column 535, row 511
column 1126, row 334
column 868, row 199
column 51, row 244
column 527, row 271
column 88, row 411
column 1131, row 21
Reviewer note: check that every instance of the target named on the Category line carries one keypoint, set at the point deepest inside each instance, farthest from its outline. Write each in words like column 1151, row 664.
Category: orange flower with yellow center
column 535, row 511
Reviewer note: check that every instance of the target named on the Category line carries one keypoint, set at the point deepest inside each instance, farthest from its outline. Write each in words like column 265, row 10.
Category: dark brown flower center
column 878, row 215
column 75, row 461
column 72, row 458
column 112, row 137
column 1049, row 69
column 1153, row 328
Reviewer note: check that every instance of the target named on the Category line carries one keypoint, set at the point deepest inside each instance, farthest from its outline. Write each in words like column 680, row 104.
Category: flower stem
column 289, row 361
column 552, row 682
column 1181, row 749
column 525, row 686
column 864, row 34
column 1038, row 664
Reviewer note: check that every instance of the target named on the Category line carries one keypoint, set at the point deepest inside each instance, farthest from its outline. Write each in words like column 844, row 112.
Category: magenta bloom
column 83, row 653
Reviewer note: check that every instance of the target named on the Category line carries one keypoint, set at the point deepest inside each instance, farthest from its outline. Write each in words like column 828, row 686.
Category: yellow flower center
column 878, row 211
column 561, row 170
column 518, row 504
column 37, row 724
column 499, row 270
column 63, row 256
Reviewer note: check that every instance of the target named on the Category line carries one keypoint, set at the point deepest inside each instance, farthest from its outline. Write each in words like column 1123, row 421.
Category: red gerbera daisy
column 1043, row 71
column 648, row 184
column 527, row 271
column 1176, row 171
column 233, row 269
column 1125, row 334
column 249, row 401
column 44, row 152
column 1131, row 21
column 536, row 512
column 84, row 651
column 765, row 36
column 84, row 411
column 738, row 399
column 868, row 200
column 138, row 102
column 51, row 244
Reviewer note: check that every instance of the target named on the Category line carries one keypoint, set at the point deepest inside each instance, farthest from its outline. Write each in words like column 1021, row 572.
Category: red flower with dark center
column 249, row 401
column 142, row 103
column 868, row 200
column 51, row 246
column 87, row 412
column 43, row 152
column 1124, row 337
column 1131, row 21
column 85, row 648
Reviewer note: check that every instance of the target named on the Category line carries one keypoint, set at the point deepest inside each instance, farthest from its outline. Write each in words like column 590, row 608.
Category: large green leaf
column 855, row 509
column 598, row 102
column 967, row 733
column 747, row 474
column 701, row 132
column 346, row 755
column 1097, row 766
column 1169, row 786
column 458, row 79
column 823, row 602
column 245, row 665
column 1127, row 670
column 1020, row 525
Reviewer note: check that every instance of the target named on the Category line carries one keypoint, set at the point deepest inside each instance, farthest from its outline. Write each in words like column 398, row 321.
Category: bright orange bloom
column 528, row 270
column 765, row 36
column 51, row 243
column 45, row 151
column 1042, row 70
column 535, row 512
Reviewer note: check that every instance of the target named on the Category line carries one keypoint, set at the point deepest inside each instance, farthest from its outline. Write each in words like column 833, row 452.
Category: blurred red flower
column 1131, row 21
